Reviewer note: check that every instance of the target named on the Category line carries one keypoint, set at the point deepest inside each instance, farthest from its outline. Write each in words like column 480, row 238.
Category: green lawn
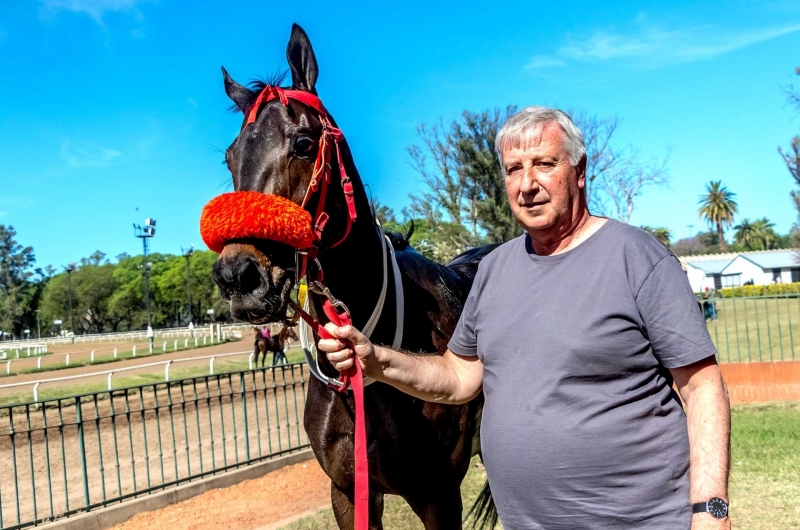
column 220, row 366
column 756, row 329
column 764, row 487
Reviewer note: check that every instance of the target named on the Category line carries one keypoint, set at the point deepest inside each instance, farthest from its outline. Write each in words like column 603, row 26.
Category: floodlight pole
column 70, row 269
column 188, row 254
column 145, row 233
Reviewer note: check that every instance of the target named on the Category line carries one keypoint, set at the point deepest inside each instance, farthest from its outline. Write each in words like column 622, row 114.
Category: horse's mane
column 273, row 79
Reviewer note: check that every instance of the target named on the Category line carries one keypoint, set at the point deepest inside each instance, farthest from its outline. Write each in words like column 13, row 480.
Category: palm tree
column 765, row 231
column 746, row 234
column 718, row 207
column 662, row 234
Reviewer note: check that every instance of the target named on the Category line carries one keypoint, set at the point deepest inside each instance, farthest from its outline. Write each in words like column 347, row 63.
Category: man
column 576, row 332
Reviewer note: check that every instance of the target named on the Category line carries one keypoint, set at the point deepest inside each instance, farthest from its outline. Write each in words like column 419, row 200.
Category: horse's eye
column 303, row 145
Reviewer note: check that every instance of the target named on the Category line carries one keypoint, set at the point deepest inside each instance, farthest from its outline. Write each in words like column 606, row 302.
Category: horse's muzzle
column 257, row 291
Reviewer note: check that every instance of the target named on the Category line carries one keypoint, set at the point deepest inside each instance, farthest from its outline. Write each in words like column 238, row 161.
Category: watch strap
column 700, row 507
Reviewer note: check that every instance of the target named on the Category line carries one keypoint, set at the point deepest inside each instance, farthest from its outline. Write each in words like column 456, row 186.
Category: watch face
column 717, row 508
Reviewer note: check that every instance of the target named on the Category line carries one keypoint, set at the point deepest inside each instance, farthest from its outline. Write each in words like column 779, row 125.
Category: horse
column 276, row 345
column 418, row 450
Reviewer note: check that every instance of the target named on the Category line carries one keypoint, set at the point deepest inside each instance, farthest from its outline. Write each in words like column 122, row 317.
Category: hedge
column 760, row 290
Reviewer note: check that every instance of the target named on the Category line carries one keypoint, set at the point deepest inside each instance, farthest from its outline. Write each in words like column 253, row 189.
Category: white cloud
column 543, row 61
column 653, row 46
column 95, row 9
column 88, row 156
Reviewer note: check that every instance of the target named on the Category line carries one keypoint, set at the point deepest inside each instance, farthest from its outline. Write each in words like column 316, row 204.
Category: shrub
column 760, row 290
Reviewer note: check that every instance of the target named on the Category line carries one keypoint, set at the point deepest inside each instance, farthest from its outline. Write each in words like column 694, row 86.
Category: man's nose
column 529, row 181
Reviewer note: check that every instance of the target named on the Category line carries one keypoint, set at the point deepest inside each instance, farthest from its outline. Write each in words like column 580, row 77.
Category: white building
column 760, row 267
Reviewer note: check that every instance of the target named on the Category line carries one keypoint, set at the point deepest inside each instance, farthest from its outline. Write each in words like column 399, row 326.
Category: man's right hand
column 342, row 357
column 447, row 378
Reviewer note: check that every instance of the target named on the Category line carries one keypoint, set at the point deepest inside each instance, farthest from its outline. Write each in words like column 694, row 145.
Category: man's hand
column 342, row 358
column 704, row 521
column 447, row 378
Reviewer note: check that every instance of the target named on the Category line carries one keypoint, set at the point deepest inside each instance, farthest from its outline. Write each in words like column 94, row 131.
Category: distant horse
column 276, row 345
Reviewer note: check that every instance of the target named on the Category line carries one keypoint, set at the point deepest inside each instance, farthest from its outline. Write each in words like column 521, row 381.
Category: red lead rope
column 319, row 181
column 355, row 378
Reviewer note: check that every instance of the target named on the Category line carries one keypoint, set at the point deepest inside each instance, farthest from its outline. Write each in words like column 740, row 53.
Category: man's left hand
column 703, row 521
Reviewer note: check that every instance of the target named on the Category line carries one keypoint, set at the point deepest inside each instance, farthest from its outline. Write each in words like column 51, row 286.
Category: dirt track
column 250, row 505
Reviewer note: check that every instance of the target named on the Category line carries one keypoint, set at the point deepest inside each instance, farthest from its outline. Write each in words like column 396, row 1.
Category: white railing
column 110, row 373
column 144, row 348
column 221, row 330
column 20, row 351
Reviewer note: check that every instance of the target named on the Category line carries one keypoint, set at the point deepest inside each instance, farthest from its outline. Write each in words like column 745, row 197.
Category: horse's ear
column 302, row 61
column 242, row 97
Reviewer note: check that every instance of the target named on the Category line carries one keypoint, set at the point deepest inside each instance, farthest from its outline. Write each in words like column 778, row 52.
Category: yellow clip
column 302, row 292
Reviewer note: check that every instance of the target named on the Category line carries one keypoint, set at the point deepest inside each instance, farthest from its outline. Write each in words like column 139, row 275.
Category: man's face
column 543, row 187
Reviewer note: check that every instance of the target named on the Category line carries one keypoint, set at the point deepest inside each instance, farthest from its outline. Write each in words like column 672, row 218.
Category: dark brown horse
column 276, row 345
column 418, row 450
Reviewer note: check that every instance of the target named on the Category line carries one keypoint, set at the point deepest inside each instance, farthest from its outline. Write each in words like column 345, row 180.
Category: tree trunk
column 722, row 245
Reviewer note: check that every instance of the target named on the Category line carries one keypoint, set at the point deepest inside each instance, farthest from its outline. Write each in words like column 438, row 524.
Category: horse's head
column 275, row 153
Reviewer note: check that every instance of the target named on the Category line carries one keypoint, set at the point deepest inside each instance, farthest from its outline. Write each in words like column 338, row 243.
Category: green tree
column 18, row 283
column 791, row 157
column 765, row 232
column 746, row 234
column 662, row 234
column 93, row 286
column 718, row 207
column 463, row 177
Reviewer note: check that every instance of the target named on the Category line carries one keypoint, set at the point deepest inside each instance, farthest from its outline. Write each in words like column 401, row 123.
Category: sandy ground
column 250, row 505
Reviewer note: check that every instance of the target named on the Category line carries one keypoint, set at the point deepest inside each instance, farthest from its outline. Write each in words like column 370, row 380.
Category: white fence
column 142, row 348
column 110, row 373
column 219, row 330
column 16, row 350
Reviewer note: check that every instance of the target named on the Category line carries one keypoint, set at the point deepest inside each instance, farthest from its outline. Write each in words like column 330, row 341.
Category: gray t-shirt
column 581, row 428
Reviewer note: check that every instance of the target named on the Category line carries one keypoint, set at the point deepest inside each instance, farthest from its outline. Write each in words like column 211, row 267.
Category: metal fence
column 70, row 455
column 754, row 328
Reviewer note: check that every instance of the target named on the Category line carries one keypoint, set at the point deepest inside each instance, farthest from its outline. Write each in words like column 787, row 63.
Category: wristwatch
column 716, row 507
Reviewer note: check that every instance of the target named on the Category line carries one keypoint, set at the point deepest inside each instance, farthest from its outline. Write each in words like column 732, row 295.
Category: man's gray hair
column 524, row 129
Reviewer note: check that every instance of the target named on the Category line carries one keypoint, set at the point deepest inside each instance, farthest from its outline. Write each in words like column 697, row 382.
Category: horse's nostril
column 240, row 276
column 248, row 275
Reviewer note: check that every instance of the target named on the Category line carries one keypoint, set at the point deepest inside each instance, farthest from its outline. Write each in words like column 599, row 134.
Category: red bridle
column 321, row 176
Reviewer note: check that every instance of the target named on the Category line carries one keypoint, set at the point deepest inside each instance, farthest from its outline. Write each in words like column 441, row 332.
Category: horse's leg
column 441, row 509
column 344, row 510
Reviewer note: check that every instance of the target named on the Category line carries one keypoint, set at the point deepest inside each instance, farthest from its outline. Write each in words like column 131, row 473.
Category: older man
column 576, row 332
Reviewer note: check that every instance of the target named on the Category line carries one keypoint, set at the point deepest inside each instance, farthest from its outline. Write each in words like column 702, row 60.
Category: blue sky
column 107, row 106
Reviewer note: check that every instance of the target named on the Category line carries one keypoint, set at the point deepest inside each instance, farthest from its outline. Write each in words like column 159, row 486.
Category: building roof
column 714, row 266
column 774, row 259
column 766, row 259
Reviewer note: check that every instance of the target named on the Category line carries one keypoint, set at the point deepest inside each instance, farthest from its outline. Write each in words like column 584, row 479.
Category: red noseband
column 253, row 215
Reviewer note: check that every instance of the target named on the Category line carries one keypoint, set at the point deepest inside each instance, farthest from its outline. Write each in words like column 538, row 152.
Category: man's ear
column 581, row 168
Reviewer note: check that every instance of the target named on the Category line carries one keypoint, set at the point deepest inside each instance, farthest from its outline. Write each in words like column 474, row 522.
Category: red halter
column 321, row 176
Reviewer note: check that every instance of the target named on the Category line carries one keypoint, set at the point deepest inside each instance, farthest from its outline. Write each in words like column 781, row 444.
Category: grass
column 397, row 514
column 72, row 389
column 764, row 485
column 756, row 329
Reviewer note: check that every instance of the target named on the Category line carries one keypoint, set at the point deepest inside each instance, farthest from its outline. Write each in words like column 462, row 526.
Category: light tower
column 188, row 255
column 145, row 233
column 70, row 269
